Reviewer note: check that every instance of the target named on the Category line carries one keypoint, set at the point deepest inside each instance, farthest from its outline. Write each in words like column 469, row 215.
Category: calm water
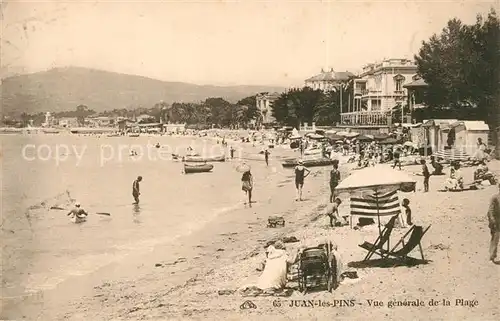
column 42, row 248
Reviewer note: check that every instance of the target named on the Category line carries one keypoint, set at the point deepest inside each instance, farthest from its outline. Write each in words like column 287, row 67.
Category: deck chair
column 376, row 248
column 417, row 233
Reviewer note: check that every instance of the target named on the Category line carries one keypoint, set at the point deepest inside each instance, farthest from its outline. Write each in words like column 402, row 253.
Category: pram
column 317, row 267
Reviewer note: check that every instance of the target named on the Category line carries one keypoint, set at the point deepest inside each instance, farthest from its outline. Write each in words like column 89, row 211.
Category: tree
column 297, row 106
column 462, row 68
column 82, row 112
column 247, row 111
column 328, row 110
column 160, row 112
column 25, row 118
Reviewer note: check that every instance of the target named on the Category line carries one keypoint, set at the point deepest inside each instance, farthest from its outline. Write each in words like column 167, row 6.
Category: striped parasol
column 452, row 154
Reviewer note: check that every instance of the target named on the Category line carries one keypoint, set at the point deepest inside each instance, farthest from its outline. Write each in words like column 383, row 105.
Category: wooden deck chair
column 417, row 233
column 383, row 238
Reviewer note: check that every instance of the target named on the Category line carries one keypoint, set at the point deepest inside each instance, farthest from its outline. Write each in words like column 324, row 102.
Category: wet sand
column 181, row 280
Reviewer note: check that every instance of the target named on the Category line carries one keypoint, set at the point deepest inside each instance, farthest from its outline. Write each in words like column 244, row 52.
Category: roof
column 438, row 122
column 331, row 76
column 473, row 125
column 416, row 83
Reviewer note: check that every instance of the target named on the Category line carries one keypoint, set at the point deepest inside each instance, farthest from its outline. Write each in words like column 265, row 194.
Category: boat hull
column 198, row 159
column 189, row 169
column 308, row 163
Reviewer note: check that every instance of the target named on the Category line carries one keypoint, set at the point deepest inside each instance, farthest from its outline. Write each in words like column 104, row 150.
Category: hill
column 62, row 89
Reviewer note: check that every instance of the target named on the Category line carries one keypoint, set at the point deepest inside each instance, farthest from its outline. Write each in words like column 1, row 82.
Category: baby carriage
column 317, row 267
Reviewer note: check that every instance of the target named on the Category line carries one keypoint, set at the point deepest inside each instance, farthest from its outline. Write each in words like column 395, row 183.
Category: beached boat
column 201, row 159
column 288, row 163
column 188, row 169
column 114, row 135
column 314, row 151
column 134, row 135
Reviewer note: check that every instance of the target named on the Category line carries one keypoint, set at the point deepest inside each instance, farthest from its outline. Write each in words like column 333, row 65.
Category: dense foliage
column 307, row 105
column 213, row 111
column 462, row 68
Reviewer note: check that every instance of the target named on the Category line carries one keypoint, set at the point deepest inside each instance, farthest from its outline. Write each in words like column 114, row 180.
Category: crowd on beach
column 355, row 154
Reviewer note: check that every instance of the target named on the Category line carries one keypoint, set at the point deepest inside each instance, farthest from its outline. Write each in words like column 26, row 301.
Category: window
column 376, row 104
column 399, row 80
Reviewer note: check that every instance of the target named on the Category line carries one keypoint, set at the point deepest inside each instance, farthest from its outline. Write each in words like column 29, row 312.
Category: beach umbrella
column 381, row 136
column 377, row 177
column 316, row 136
column 331, row 131
column 333, row 136
column 389, row 141
column 452, row 155
column 343, row 134
column 365, row 138
column 352, row 134
column 243, row 167
column 377, row 190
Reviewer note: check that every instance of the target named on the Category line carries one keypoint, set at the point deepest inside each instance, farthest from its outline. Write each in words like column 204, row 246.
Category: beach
column 184, row 247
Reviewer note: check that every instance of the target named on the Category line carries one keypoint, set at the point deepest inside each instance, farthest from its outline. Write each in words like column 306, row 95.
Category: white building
column 328, row 80
column 378, row 89
column 265, row 102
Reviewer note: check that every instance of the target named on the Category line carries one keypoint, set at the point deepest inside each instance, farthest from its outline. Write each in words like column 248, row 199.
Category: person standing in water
column 135, row 189
column 266, row 157
column 247, row 185
column 78, row 214
column 231, row 151
column 300, row 174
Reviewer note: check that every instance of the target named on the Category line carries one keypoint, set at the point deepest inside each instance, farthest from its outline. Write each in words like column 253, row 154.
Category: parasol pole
column 378, row 212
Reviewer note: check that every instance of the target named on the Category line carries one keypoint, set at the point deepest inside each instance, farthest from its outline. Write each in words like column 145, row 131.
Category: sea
column 41, row 247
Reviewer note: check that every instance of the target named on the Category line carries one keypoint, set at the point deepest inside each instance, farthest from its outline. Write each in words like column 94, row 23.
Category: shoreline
column 79, row 287
column 224, row 254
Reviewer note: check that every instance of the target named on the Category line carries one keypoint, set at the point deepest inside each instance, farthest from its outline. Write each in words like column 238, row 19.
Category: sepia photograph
column 249, row 160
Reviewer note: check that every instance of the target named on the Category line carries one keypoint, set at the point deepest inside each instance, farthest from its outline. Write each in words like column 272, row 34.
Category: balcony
column 365, row 118
column 371, row 92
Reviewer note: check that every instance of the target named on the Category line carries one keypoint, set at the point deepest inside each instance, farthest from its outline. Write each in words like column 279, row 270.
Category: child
column 332, row 210
column 406, row 205
column 426, row 174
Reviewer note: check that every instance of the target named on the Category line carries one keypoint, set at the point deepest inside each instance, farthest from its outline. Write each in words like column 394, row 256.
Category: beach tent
column 467, row 133
column 434, row 131
column 452, row 154
column 334, row 137
column 374, row 191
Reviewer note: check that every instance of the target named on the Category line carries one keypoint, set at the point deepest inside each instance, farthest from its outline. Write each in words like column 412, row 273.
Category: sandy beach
column 181, row 280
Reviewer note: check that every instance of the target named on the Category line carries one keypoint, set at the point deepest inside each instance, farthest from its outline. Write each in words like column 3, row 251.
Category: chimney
column 331, row 69
column 322, row 70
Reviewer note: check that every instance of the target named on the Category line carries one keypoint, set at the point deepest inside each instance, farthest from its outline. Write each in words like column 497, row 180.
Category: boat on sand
column 201, row 159
column 202, row 168
column 288, row 163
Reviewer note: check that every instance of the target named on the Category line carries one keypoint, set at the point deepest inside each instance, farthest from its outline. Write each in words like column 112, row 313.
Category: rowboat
column 197, row 168
column 313, row 151
column 288, row 163
column 134, row 135
column 200, row 159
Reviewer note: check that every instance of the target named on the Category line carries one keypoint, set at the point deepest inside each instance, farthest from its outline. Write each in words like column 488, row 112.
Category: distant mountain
column 63, row 89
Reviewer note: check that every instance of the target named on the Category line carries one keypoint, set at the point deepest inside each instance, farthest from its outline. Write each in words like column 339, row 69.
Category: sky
column 220, row 42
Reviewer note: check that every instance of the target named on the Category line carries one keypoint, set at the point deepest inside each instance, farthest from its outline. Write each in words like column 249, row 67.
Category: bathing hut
column 467, row 132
